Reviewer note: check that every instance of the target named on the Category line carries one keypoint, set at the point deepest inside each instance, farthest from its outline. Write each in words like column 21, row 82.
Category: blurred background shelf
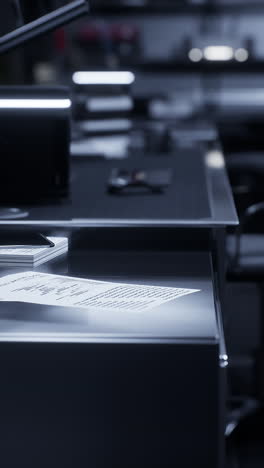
column 169, row 66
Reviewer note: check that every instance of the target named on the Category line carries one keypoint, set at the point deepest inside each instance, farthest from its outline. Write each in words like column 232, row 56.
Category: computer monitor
column 34, row 121
column 22, row 20
column 34, row 144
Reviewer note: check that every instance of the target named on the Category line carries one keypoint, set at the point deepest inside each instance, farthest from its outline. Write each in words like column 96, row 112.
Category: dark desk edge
column 94, row 339
column 134, row 223
column 220, row 194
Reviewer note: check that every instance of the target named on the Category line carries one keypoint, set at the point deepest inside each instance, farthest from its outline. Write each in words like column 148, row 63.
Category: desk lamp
column 13, row 11
column 15, row 30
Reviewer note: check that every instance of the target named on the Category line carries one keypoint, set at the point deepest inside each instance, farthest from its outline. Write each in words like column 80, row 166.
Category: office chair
column 246, row 173
column 246, row 265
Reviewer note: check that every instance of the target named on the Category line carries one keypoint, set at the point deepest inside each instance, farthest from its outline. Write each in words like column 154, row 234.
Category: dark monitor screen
column 22, row 20
column 31, row 171
column 34, row 143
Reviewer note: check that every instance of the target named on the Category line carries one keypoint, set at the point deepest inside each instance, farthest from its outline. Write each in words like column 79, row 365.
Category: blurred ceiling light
column 35, row 103
column 104, row 78
column 109, row 103
column 241, row 55
column 195, row 55
column 218, row 53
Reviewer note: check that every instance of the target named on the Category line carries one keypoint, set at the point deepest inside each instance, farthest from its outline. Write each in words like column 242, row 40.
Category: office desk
column 116, row 389
column 199, row 195
column 121, row 390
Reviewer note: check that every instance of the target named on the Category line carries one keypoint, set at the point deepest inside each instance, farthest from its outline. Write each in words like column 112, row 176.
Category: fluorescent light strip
column 109, row 104
column 106, row 125
column 35, row 103
column 218, row 53
column 104, row 78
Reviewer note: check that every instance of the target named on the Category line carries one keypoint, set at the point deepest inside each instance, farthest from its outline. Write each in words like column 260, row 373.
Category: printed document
column 44, row 288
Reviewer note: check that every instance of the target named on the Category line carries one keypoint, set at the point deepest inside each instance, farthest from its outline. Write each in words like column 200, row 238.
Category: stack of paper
column 30, row 256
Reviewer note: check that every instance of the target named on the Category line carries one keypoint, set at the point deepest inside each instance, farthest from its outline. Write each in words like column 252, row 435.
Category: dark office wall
column 162, row 38
column 33, row 8
column 7, row 17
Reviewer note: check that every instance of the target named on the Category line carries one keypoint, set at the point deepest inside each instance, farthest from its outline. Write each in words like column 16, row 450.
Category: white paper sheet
column 44, row 288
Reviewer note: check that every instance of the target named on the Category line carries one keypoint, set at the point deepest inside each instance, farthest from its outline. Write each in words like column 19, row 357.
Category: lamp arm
column 42, row 25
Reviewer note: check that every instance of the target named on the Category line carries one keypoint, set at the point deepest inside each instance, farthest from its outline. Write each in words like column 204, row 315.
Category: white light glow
column 35, row 103
column 195, row 55
column 106, row 125
column 109, row 104
column 230, row 428
column 218, row 53
column 104, row 78
column 215, row 159
column 241, row 55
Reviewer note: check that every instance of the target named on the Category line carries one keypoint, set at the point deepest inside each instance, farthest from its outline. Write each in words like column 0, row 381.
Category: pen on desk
column 51, row 244
column 18, row 240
